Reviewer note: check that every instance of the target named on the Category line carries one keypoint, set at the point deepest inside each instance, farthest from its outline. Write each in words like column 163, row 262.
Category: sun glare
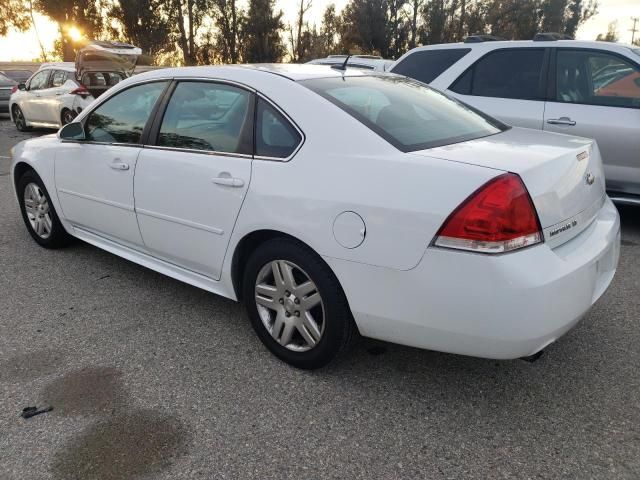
column 74, row 34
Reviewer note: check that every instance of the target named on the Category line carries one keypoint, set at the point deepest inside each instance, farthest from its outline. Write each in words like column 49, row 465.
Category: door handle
column 59, row 93
column 119, row 166
column 561, row 121
column 227, row 180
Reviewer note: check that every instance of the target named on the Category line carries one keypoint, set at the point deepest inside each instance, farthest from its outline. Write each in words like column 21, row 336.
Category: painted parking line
column 3, row 156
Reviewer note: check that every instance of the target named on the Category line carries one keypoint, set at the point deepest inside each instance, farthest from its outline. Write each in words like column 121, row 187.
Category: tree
column 611, row 35
column 262, row 33
column 13, row 14
column 230, row 21
column 364, row 27
column 415, row 6
column 300, row 41
column 142, row 23
column 84, row 15
column 188, row 16
column 329, row 30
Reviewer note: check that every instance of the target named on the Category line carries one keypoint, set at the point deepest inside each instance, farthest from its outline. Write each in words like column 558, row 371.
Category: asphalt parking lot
column 151, row 378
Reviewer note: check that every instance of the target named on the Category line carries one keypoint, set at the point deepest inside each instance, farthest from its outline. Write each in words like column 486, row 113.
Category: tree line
column 193, row 32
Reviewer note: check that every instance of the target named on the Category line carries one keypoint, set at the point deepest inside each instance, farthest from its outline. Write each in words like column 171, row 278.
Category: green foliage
column 611, row 35
column 13, row 14
column 262, row 33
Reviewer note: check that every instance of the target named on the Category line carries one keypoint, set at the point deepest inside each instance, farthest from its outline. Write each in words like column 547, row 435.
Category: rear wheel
column 38, row 213
column 19, row 120
column 67, row 116
column 296, row 305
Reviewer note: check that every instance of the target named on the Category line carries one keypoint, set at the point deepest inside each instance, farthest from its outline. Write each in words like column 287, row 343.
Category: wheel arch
column 249, row 243
column 19, row 170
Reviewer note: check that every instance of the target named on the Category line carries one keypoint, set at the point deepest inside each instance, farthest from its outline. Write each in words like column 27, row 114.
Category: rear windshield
column 101, row 79
column 408, row 114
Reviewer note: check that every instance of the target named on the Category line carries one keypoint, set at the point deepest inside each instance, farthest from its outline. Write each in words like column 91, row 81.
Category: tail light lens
column 498, row 217
column 82, row 91
column 14, row 89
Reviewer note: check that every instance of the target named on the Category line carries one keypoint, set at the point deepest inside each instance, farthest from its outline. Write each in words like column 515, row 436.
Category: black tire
column 339, row 327
column 58, row 236
column 19, row 120
column 67, row 116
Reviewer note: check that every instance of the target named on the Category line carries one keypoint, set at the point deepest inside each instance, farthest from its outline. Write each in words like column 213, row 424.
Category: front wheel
column 38, row 213
column 296, row 305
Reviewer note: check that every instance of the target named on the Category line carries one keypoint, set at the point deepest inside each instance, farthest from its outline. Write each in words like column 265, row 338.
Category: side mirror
column 72, row 131
column 22, row 86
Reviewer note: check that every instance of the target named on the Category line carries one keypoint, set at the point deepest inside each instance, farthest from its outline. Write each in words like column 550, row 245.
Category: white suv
column 590, row 89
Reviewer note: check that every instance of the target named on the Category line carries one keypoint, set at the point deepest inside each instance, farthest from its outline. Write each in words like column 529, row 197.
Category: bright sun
column 74, row 34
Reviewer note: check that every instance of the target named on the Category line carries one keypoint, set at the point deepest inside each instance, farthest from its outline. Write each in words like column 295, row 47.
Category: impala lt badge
column 582, row 156
column 590, row 178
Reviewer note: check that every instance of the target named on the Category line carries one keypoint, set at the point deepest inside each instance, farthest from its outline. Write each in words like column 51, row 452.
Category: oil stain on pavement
column 137, row 443
column 124, row 442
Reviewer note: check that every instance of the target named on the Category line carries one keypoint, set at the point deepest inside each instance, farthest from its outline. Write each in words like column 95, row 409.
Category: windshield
column 18, row 75
column 408, row 114
column 4, row 79
column 636, row 51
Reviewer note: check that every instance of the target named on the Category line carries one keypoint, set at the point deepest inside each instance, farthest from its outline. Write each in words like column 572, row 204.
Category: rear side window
column 58, row 78
column 596, row 78
column 427, row 65
column 208, row 116
column 275, row 136
column 408, row 114
column 121, row 119
column 505, row 74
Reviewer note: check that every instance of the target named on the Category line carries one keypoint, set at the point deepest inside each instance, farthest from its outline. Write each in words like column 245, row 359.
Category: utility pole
column 634, row 29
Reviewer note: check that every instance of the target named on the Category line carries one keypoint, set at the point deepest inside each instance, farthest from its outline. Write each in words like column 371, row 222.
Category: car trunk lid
column 563, row 174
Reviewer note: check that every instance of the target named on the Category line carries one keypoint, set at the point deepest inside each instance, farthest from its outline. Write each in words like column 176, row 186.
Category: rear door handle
column 227, row 180
column 119, row 166
column 561, row 121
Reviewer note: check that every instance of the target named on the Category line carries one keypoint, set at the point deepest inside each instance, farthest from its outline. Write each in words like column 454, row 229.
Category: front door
column 190, row 186
column 31, row 105
column 597, row 95
column 94, row 177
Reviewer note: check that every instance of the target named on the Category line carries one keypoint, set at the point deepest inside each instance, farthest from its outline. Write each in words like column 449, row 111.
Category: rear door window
column 427, row 65
column 596, row 78
column 512, row 73
column 208, row 116
column 122, row 118
column 58, row 78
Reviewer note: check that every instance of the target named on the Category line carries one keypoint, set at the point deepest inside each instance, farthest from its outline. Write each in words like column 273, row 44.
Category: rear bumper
column 504, row 306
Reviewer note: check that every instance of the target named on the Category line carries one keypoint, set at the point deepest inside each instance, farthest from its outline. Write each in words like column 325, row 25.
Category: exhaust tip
column 532, row 358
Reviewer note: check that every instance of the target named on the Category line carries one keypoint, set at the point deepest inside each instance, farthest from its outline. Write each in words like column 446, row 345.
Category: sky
column 24, row 46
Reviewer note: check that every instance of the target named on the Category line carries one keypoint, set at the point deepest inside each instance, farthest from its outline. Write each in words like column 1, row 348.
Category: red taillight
column 14, row 89
column 496, row 218
column 82, row 91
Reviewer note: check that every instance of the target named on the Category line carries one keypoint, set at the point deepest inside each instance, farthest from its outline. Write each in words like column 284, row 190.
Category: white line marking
column 2, row 156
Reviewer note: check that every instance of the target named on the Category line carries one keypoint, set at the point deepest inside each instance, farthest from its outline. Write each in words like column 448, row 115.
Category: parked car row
column 58, row 92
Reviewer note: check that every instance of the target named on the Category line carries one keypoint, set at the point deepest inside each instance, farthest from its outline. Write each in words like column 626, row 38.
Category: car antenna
column 342, row 67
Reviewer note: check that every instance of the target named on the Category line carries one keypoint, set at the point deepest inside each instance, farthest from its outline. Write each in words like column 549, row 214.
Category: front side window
column 58, row 78
column 208, row 116
column 596, row 78
column 275, row 136
column 406, row 113
column 39, row 80
column 427, row 65
column 122, row 118
column 512, row 73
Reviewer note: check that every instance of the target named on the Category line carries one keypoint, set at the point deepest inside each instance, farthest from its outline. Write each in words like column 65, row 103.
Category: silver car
column 590, row 89
column 6, row 87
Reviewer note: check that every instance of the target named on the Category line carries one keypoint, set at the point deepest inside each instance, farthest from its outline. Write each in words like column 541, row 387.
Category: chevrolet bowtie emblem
column 590, row 178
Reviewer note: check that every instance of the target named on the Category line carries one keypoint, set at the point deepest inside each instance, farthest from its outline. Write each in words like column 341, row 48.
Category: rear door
column 596, row 94
column 508, row 84
column 51, row 97
column 191, row 181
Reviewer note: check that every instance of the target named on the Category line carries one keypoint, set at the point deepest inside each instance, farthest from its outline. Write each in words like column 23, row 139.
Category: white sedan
column 332, row 202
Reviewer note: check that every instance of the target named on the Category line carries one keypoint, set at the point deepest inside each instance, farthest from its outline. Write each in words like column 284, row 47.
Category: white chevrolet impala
column 332, row 202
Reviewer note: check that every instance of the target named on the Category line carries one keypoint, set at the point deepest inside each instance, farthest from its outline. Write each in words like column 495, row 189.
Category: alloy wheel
column 19, row 119
column 36, row 207
column 290, row 305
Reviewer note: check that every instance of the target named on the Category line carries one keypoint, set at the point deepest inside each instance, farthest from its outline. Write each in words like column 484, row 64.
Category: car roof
column 490, row 45
column 67, row 66
column 295, row 72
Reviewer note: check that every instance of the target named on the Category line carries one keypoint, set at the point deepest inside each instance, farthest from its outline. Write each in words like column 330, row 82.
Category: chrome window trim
column 194, row 150
column 303, row 137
